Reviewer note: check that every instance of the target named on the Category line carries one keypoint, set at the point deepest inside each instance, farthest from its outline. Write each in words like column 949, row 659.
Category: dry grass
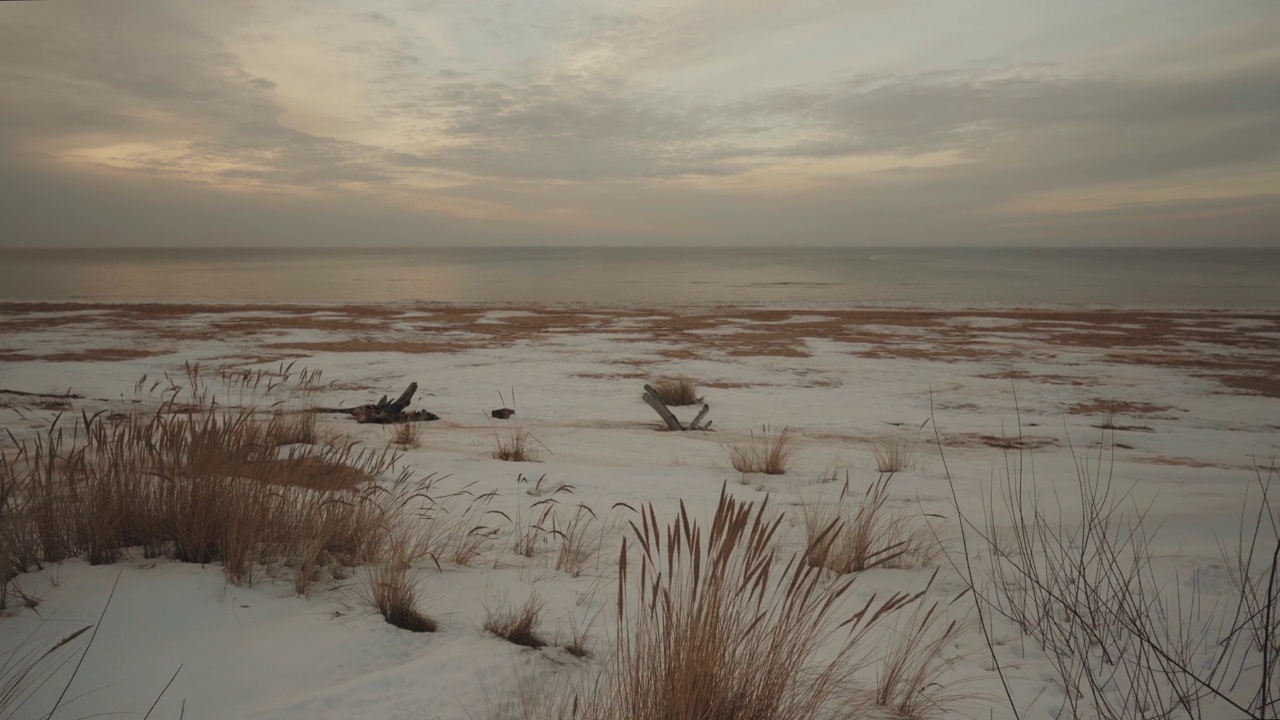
column 293, row 428
column 909, row 679
column 766, row 453
column 515, row 443
column 25, row 670
column 539, row 528
column 517, row 625
column 579, row 641
column 894, row 455
column 713, row 625
column 200, row 478
column 866, row 535
column 533, row 529
column 677, row 391
column 407, row 435
column 581, row 540
column 541, row 487
column 451, row 531
column 1126, row 637
column 393, row 593
column 836, row 470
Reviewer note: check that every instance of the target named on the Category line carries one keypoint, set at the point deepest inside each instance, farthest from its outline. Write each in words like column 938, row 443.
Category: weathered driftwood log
column 384, row 416
column 662, row 410
column 385, row 413
column 697, row 423
column 668, row 417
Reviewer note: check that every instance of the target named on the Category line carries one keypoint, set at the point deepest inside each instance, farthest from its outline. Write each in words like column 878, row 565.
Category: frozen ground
column 1192, row 398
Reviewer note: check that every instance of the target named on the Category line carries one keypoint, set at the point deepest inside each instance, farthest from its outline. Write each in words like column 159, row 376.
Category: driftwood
column 68, row 395
column 385, row 413
column 668, row 417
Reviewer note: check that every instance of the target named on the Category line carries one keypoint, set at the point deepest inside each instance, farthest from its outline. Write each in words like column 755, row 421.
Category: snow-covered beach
column 1179, row 407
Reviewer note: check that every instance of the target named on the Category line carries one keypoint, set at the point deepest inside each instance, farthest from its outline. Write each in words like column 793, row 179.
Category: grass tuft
column 514, row 442
column 393, row 594
column 581, row 540
column 407, row 435
column 517, row 625
column 677, row 391
column 893, row 455
column 767, row 453
column 848, row 538
column 579, row 642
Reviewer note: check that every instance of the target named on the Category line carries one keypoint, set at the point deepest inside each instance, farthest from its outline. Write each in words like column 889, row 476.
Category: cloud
column 652, row 123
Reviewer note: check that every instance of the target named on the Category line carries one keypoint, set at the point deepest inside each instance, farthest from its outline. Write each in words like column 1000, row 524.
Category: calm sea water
column 807, row 277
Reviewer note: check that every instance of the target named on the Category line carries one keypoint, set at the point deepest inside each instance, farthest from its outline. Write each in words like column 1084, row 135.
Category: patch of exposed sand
column 1100, row 406
column 1238, row 350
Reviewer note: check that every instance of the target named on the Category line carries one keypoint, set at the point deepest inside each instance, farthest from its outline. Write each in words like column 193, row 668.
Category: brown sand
column 1239, row 350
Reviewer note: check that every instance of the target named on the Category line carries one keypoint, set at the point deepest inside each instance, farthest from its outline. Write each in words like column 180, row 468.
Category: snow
column 262, row 652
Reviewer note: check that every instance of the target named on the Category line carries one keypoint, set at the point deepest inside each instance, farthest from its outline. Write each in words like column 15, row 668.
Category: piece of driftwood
column 668, row 417
column 68, row 395
column 697, row 423
column 385, row 412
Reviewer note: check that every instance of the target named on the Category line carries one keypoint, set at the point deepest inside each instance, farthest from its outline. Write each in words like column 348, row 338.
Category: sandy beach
column 1180, row 408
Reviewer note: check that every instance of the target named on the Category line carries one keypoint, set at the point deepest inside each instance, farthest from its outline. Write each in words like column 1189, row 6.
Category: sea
column 1235, row 279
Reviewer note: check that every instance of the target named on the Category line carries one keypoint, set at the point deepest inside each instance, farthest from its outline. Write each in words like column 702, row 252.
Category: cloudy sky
column 824, row 122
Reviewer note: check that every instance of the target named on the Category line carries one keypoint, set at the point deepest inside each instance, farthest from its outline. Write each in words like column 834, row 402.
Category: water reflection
column 651, row 276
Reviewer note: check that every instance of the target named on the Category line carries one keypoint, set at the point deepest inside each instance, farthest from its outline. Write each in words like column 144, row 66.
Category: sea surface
column 777, row 277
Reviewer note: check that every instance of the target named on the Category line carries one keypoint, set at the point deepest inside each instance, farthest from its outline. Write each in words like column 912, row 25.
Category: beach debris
column 48, row 396
column 386, row 412
column 673, row 423
column 502, row 413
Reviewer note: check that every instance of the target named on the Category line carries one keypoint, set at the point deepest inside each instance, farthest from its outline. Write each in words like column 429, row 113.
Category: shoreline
column 72, row 304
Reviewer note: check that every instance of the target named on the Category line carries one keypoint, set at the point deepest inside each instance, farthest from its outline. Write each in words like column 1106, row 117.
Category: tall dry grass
column 581, row 541
column 713, row 625
column 28, row 667
column 541, row 528
column 200, row 480
column 850, row 536
column 518, row 624
column 768, row 452
column 909, row 676
column 392, row 592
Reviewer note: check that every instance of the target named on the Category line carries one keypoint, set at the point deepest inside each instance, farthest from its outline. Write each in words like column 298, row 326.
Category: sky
column 676, row 122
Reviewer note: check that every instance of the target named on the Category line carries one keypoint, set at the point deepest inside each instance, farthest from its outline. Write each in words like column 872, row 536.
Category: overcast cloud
column 860, row 122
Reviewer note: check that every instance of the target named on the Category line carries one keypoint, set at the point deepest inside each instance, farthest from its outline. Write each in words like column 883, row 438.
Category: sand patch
column 94, row 355
column 1007, row 442
column 1100, row 406
column 368, row 346
column 1238, row 350
column 1185, row 462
